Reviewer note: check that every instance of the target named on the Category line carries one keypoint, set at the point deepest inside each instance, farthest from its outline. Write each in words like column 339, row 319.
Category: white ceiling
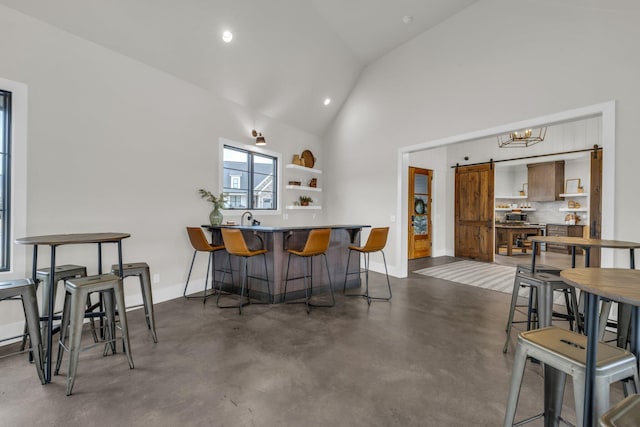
column 286, row 57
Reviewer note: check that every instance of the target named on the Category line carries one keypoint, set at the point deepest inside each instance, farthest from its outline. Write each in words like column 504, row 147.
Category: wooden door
column 474, row 212
column 595, row 205
column 419, row 212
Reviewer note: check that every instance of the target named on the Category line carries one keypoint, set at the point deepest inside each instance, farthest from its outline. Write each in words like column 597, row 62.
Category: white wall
column 114, row 145
column 496, row 62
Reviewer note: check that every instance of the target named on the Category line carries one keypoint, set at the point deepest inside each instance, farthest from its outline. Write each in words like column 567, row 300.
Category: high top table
column 616, row 284
column 553, row 400
column 585, row 244
column 53, row 241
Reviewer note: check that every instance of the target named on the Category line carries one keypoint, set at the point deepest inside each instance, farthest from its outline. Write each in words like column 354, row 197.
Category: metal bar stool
column 73, row 316
column 141, row 270
column 61, row 273
column 536, row 282
column 624, row 414
column 200, row 244
column 376, row 242
column 566, row 352
column 25, row 289
column 235, row 245
column 317, row 244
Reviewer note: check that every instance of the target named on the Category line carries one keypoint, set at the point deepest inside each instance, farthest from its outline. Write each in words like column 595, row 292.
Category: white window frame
column 221, row 143
column 18, row 228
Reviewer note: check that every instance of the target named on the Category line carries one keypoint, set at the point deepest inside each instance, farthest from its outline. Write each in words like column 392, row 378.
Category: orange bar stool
column 200, row 244
column 375, row 243
column 235, row 245
column 317, row 244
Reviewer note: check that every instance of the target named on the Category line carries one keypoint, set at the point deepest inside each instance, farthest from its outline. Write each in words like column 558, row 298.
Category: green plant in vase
column 305, row 200
column 215, row 217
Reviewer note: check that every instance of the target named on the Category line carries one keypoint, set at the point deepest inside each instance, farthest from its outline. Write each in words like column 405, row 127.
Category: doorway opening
column 443, row 231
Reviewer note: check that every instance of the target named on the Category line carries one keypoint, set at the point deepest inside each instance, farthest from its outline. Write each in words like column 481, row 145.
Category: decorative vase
column 215, row 217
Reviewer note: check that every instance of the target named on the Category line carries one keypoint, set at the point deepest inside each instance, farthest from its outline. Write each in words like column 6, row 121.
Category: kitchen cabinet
column 545, row 181
column 563, row 230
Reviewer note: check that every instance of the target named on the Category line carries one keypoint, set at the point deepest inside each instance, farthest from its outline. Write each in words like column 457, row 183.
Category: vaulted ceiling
column 285, row 58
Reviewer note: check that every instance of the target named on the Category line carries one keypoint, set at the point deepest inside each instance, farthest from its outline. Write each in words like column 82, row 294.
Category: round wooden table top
column 616, row 284
column 582, row 242
column 70, row 239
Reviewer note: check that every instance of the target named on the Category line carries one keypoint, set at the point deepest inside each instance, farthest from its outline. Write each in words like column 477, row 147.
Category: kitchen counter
column 277, row 240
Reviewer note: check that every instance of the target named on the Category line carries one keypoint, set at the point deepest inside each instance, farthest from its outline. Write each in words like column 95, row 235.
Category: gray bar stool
column 141, row 270
column 317, row 244
column 376, row 242
column 566, row 352
column 62, row 273
column 25, row 289
column 73, row 316
column 624, row 414
column 535, row 282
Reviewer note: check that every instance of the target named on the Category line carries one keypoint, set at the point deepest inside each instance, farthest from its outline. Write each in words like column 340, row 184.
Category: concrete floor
column 430, row 357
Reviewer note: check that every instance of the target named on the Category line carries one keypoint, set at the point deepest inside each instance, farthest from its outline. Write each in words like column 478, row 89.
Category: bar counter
column 277, row 240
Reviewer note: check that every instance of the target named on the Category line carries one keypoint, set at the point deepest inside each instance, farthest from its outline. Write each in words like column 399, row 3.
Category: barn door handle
column 489, row 224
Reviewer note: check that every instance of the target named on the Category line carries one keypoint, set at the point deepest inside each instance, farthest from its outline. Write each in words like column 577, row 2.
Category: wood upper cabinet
column 545, row 181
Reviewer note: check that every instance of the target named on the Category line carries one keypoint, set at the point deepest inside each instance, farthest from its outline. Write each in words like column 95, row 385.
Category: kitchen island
column 277, row 240
column 505, row 234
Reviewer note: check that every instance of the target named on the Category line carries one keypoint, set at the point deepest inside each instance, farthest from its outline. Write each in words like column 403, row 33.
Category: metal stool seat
column 624, row 414
column 376, row 242
column 73, row 315
column 235, row 245
column 141, row 270
column 566, row 352
column 61, row 273
column 317, row 244
column 535, row 281
column 25, row 290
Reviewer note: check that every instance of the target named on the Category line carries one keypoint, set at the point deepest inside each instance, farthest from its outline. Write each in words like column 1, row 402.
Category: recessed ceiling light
column 227, row 36
column 327, row 101
column 407, row 19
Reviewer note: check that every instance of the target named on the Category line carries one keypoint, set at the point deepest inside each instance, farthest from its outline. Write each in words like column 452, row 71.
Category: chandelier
column 523, row 138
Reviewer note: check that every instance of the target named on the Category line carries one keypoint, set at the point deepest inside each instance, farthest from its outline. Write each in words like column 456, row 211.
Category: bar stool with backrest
column 73, row 315
column 566, row 352
column 376, row 242
column 25, row 290
column 141, row 271
column 317, row 244
column 200, row 244
column 235, row 245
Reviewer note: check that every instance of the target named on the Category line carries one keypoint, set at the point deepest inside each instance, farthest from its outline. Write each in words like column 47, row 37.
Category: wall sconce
column 259, row 138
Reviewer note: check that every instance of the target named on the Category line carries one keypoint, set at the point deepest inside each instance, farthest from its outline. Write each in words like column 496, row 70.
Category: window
column 5, row 178
column 250, row 180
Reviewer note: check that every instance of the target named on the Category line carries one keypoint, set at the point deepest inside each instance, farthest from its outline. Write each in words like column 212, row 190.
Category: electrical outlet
column 156, row 278
column 392, row 218
column 285, row 216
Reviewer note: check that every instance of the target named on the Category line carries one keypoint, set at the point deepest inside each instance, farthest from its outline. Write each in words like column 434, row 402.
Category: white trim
column 224, row 141
column 606, row 110
column 19, row 97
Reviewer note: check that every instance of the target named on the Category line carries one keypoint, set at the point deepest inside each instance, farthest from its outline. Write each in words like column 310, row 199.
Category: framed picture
column 572, row 186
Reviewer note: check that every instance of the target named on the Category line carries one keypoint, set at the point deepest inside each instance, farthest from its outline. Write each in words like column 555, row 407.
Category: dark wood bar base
column 277, row 240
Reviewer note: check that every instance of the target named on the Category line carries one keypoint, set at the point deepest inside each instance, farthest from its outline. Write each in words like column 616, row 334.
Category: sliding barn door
column 474, row 212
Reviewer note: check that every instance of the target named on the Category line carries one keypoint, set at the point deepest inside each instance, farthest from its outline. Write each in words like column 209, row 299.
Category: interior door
column 419, row 212
column 474, row 212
